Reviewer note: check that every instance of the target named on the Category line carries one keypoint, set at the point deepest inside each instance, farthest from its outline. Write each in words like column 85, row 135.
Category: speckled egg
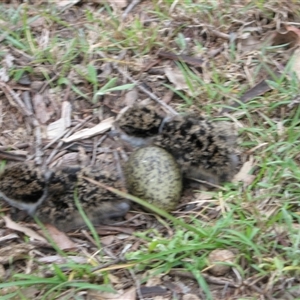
column 153, row 175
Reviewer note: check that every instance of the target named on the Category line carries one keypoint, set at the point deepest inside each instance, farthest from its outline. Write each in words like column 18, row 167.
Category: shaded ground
column 59, row 64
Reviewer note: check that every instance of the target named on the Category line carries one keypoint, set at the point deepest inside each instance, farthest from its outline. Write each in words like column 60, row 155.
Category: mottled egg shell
column 153, row 175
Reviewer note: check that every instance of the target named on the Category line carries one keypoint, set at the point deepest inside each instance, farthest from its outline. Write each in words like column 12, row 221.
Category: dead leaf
column 280, row 129
column 114, row 279
column 77, row 74
column 106, row 69
column 14, row 252
column 131, row 97
column 89, row 132
column 13, row 155
column 153, row 292
column 29, row 292
column 243, row 175
column 193, row 61
column 8, row 237
column 176, row 77
column 57, row 259
column 4, row 75
column 60, row 238
column 293, row 29
column 66, row 111
column 190, row 297
column 63, row 3
column 248, row 43
column 130, row 294
column 67, row 159
column 291, row 37
column 107, row 240
column 118, row 3
column 38, row 23
column 2, row 273
column 9, row 223
column 6, row 64
column 40, row 108
column 154, row 281
column 44, row 39
column 258, row 90
column 203, row 195
column 58, row 127
column 296, row 63
column 168, row 96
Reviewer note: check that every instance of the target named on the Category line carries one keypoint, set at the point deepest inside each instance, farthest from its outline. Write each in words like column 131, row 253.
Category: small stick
column 119, row 167
column 12, row 156
column 96, row 143
column 129, row 8
column 140, row 87
column 18, row 101
column 207, row 183
column 208, row 278
column 37, row 131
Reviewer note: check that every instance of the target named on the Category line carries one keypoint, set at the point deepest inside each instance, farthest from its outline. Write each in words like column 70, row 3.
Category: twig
column 97, row 142
column 16, row 52
column 12, row 95
column 129, row 8
column 208, row 278
column 137, row 284
column 140, row 87
column 55, row 150
column 1, row 113
column 38, row 145
column 173, row 6
column 27, row 101
column 207, row 183
column 12, row 156
column 36, row 131
column 119, row 168
column 89, row 237
column 14, row 147
column 251, row 284
column 108, row 264
column 127, row 221
column 219, row 34
column 42, row 89
column 94, row 151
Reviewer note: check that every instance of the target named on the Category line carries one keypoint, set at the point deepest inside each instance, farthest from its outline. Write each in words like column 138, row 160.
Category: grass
column 259, row 221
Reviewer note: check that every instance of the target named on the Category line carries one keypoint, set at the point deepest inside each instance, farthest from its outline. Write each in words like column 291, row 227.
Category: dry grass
column 86, row 57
